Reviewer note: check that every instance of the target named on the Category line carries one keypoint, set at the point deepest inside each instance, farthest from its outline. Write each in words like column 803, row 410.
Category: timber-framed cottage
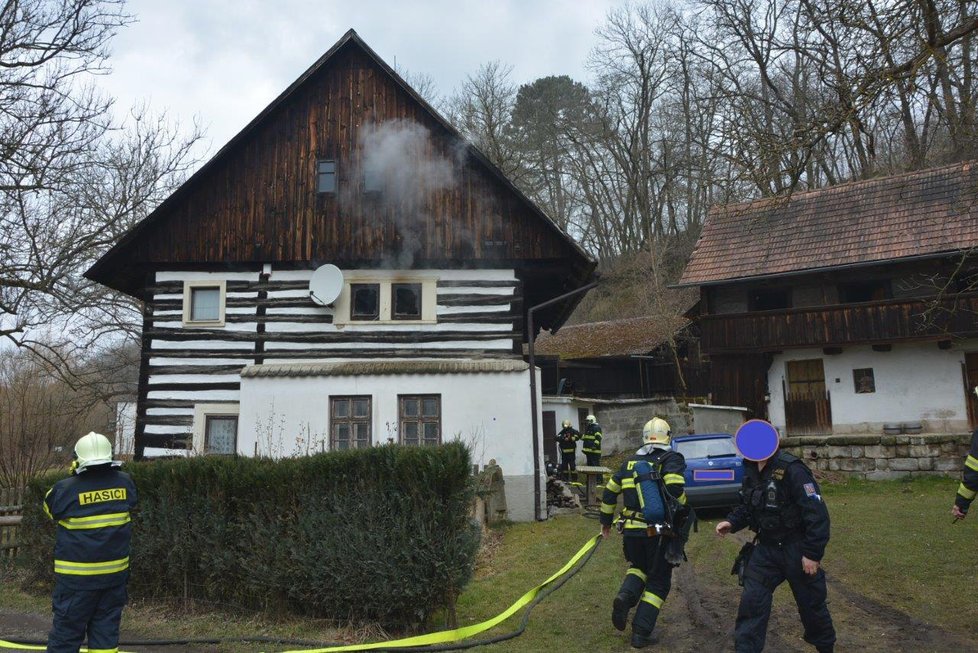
column 430, row 257
column 850, row 309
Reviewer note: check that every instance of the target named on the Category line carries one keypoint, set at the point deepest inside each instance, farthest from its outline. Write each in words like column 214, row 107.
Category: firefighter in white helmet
column 91, row 550
column 592, row 441
column 654, row 498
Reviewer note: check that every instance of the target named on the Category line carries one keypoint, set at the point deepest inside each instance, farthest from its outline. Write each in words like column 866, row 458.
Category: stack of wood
column 561, row 494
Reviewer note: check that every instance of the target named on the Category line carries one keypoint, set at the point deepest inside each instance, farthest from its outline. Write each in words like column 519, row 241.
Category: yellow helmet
column 657, row 431
column 92, row 449
column 566, row 424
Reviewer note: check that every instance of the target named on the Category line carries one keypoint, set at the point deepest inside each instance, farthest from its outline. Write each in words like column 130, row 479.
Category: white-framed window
column 216, row 429
column 204, row 302
column 387, row 296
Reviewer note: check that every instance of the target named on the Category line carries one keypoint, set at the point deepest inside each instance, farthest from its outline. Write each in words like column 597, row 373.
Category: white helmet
column 657, row 431
column 566, row 423
column 93, row 449
column 590, row 419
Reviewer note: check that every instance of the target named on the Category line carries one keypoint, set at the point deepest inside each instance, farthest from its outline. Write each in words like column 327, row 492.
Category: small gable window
column 372, row 180
column 326, row 176
column 407, row 301
column 365, row 301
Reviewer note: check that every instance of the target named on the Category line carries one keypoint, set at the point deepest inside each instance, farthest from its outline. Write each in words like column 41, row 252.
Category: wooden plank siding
column 479, row 315
column 838, row 325
column 260, row 203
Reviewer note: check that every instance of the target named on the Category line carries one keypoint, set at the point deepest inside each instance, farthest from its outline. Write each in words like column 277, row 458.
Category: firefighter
column 660, row 483
column 91, row 550
column 592, row 441
column 782, row 503
column 969, row 480
column 567, row 441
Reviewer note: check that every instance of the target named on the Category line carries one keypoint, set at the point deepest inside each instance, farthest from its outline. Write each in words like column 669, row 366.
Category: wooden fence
column 11, row 508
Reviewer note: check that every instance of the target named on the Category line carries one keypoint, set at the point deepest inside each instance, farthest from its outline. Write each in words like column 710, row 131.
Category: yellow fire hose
column 440, row 637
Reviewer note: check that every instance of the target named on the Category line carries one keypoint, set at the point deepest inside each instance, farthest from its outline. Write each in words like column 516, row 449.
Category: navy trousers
column 78, row 613
column 647, row 582
column 769, row 566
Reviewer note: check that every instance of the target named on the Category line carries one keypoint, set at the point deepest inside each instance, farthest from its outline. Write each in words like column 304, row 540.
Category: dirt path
column 699, row 616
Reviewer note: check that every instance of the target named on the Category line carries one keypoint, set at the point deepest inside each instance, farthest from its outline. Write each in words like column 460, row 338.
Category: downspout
column 533, row 390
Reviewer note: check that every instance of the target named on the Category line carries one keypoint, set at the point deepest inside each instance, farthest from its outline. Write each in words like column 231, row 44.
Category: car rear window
column 714, row 448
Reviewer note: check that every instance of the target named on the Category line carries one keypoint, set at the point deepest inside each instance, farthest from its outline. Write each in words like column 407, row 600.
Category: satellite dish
column 325, row 285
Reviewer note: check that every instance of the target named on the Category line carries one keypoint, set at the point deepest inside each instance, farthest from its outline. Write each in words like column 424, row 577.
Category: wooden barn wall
column 260, row 204
column 272, row 320
column 740, row 381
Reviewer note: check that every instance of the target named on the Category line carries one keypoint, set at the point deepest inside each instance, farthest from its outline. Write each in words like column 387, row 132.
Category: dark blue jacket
column 91, row 550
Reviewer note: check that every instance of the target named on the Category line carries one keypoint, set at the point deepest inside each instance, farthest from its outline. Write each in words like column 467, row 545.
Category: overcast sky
column 223, row 61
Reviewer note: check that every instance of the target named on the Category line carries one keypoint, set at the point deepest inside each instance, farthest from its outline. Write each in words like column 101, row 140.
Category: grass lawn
column 891, row 541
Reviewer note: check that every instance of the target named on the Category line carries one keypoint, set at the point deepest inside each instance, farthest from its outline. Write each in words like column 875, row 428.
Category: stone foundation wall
column 882, row 457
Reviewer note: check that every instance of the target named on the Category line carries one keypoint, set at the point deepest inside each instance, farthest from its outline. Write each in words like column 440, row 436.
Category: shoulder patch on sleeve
column 811, row 491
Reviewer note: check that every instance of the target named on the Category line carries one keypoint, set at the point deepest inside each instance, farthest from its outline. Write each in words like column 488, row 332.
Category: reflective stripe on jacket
column 91, row 549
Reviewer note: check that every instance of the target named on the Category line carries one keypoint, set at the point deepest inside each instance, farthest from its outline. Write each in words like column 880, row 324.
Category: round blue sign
column 756, row 440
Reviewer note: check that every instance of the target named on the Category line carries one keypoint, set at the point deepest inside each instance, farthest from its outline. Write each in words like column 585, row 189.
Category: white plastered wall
column 286, row 416
column 914, row 383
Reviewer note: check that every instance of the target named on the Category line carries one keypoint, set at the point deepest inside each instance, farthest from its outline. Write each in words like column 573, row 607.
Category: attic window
column 407, row 301
column 365, row 301
column 372, row 180
column 326, row 176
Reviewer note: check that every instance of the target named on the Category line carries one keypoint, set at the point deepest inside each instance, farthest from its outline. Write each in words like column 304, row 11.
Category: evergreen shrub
column 378, row 535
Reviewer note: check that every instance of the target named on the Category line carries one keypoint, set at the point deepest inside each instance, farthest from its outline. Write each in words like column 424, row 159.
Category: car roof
column 700, row 436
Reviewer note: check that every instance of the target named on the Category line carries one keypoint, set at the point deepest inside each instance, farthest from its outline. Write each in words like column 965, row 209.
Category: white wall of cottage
column 915, row 382
column 285, row 416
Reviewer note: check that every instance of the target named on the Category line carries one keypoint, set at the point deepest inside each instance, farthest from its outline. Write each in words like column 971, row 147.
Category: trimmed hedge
column 380, row 534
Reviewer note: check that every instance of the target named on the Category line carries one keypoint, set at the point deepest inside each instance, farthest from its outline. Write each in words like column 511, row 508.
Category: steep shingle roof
column 915, row 214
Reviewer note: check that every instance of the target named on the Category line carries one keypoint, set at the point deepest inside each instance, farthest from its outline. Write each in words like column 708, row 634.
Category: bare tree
column 70, row 180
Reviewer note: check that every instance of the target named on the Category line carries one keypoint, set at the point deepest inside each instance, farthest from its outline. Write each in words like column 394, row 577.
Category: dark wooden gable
column 256, row 201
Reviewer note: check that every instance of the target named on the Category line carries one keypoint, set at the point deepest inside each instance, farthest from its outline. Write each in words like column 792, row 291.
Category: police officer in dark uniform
column 91, row 550
column 782, row 503
column 649, row 576
column 591, row 441
column 567, row 439
column 968, row 488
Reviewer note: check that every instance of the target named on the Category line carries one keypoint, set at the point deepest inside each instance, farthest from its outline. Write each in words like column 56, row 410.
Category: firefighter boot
column 643, row 641
column 619, row 611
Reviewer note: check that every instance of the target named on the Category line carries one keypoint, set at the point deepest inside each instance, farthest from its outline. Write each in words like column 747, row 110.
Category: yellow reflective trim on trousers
column 607, row 508
column 96, row 521
column 103, row 650
column 457, row 634
column 966, row 493
column 673, row 478
column 637, row 572
column 971, row 463
column 652, row 599
column 90, row 568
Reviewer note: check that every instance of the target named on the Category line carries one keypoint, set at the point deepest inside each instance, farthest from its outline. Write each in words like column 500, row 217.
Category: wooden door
column 550, row 437
column 970, row 382
column 807, row 405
